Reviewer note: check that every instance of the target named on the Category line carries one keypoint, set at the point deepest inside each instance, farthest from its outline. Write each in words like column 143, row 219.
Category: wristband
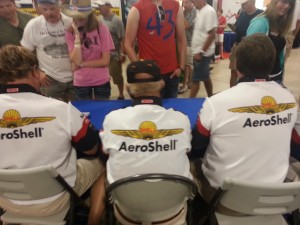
column 77, row 45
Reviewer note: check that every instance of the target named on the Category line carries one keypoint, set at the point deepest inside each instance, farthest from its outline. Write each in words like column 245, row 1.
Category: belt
column 154, row 222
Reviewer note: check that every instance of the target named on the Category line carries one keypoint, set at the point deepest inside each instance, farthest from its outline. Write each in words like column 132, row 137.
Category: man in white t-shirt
column 245, row 132
column 146, row 137
column 45, row 34
column 37, row 130
column 203, row 46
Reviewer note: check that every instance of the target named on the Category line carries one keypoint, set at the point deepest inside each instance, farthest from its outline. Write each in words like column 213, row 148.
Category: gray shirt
column 116, row 28
column 190, row 18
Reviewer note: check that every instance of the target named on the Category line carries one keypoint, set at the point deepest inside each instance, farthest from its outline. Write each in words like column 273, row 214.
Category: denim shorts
column 201, row 69
column 100, row 92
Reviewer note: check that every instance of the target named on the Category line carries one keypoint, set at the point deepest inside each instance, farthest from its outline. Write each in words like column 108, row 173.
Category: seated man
column 245, row 131
column 146, row 138
column 37, row 130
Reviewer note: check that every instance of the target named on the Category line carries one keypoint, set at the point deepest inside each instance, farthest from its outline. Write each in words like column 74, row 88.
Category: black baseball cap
column 148, row 66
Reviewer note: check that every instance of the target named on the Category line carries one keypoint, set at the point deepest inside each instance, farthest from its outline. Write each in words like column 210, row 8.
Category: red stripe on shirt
column 295, row 137
column 82, row 132
column 201, row 129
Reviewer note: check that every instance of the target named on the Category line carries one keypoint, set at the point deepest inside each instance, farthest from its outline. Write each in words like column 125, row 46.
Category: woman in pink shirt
column 89, row 44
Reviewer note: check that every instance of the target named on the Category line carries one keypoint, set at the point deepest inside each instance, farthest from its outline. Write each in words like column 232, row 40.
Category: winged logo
column 268, row 106
column 12, row 119
column 147, row 131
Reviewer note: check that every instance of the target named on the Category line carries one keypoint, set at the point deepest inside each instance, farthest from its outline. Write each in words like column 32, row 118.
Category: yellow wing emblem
column 147, row 131
column 12, row 119
column 128, row 133
column 268, row 106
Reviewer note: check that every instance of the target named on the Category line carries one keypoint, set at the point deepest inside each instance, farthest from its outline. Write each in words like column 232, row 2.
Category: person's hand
column 197, row 57
column 176, row 73
column 186, row 24
column 122, row 58
column 45, row 81
column 76, row 32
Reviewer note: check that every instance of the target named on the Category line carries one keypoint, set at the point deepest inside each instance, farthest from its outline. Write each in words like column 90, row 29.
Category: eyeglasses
column 161, row 13
column 56, row 33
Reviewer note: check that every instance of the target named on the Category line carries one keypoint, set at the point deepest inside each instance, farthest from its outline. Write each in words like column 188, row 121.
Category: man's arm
column 181, row 41
column 200, row 140
column 295, row 143
column 210, row 39
column 131, row 32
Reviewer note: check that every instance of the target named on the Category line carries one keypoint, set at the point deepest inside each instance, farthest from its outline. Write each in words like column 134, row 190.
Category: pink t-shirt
column 93, row 44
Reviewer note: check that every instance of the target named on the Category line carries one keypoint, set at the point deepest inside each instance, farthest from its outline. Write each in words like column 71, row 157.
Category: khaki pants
column 88, row 172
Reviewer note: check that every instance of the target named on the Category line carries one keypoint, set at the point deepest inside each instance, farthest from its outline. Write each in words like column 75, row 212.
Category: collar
column 17, row 88
column 149, row 100
column 251, row 79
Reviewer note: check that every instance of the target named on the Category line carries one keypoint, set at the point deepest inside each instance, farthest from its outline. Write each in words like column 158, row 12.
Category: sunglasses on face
column 161, row 13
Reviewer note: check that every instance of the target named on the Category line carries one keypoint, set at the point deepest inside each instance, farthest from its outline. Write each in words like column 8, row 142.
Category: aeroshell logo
column 12, row 119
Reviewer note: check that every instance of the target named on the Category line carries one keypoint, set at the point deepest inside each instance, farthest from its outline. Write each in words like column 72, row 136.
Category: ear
column 35, row 73
column 239, row 74
column 162, row 83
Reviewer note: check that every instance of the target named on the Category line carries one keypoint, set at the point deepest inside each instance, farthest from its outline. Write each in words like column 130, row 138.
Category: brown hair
column 15, row 63
column 255, row 56
column 280, row 24
column 92, row 22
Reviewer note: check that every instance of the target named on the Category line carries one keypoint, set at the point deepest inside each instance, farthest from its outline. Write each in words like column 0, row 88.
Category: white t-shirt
column 36, row 131
column 169, row 137
column 206, row 20
column 49, row 42
column 250, row 128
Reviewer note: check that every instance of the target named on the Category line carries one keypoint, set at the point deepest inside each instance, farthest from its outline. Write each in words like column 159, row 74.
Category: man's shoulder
column 35, row 21
column 24, row 15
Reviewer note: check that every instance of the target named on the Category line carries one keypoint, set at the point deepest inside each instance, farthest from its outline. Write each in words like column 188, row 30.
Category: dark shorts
column 171, row 86
column 201, row 69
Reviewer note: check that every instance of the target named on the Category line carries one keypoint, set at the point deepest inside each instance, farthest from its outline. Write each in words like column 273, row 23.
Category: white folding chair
column 259, row 203
column 151, row 198
column 33, row 184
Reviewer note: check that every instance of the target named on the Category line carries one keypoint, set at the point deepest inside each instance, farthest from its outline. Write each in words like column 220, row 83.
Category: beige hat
column 77, row 8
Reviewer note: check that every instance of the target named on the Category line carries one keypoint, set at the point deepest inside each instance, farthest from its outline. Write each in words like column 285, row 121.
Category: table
column 99, row 109
column 229, row 39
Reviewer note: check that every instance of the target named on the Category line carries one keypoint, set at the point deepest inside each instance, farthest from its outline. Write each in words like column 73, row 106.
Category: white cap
column 243, row 1
column 102, row 2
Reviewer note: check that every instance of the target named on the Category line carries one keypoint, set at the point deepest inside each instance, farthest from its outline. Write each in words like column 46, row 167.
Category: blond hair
column 280, row 24
column 15, row 63
column 144, row 89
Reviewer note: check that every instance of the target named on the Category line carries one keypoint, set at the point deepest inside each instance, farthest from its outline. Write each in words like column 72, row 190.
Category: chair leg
column 72, row 212
column 189, row 217
column 296, row 217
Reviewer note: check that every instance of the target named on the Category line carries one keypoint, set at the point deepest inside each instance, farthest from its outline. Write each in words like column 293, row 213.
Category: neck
column 14, row 20
column 253, row 10
column 201, row 5
column 157, row 2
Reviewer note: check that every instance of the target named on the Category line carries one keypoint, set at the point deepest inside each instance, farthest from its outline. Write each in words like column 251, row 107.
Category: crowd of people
column 67, row 53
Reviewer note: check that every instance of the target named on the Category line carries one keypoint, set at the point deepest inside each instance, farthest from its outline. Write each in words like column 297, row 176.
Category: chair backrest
column 29, row 184
column 151, row 197
column 255, row 198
